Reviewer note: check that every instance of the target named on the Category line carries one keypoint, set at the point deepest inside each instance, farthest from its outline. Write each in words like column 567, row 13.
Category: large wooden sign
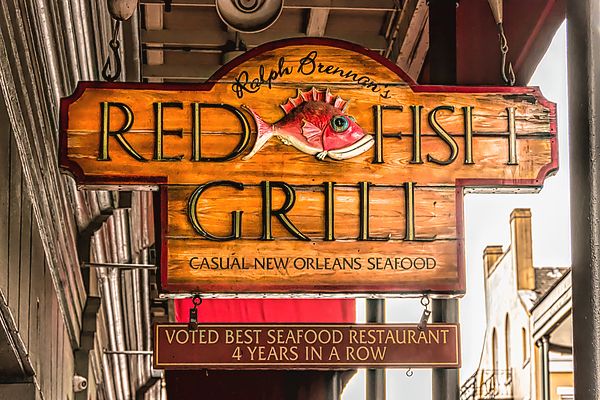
column 309, row 166
column 304, row 346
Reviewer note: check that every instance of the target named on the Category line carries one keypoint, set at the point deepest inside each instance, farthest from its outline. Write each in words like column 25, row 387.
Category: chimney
column 521, row 248
column 491, row 254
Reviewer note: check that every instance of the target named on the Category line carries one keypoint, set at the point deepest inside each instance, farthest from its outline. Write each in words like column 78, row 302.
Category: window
column 494, row 350
column 507, row 341
column 524, row 345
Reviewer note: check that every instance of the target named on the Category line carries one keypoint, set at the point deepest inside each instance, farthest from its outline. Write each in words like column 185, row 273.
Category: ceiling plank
column 401, row 28
column 154, row 17
column 418, row 57
column 317, row 22
column 413, row 33
column 356, row 5
column 214, row 39
column 154, row 21
column 179, row 71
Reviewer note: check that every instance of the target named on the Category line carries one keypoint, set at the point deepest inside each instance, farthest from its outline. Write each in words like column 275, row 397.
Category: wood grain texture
column 220, row 129
column 299, row 274
column 435, row 212
column 263, row 79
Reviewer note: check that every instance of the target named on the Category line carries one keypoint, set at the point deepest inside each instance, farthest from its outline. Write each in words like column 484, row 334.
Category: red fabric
column 269, row 310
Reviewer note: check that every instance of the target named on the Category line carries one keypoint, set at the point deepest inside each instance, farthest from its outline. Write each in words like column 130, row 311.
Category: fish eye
column 339, row 123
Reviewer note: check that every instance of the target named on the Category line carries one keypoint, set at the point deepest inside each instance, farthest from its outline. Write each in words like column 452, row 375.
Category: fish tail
column 264, row 133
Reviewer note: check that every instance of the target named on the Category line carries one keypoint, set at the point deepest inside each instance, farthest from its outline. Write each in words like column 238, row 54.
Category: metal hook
column 508, row 74
column 426, row 313
column 114, row 46
column 193, row 323
column 409, row 372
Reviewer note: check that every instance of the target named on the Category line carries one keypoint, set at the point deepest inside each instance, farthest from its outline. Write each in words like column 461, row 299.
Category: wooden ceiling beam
column 414, row 45
column 214, row 39
column 154, row 21
column 317, row 22
column 179, row 71
column 356, row 5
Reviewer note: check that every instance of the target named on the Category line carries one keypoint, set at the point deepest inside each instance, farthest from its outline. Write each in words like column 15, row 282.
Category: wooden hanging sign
column 306, row 346
column 309, row 166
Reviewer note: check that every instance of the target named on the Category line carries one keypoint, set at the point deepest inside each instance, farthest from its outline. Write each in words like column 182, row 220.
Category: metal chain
column 508, row 74
column 114, row 47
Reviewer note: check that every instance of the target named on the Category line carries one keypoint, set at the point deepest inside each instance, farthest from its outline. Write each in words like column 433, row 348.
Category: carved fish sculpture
column 315, row 123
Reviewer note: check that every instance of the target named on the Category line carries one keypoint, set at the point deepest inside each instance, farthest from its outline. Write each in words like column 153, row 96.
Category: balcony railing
column 488, row 385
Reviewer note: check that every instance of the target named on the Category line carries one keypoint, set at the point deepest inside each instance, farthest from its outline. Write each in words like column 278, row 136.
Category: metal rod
column 442, row 61
column 375, row 385
column 129, row 352
column 117, row 265
column 583, row 54
column 445, row 380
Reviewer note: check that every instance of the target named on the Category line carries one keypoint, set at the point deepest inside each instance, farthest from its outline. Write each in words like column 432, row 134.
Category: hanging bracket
column 193, row 323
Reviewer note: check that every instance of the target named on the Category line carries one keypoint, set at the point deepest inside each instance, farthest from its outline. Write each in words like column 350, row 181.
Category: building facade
column 527, row 347
column 75, row 293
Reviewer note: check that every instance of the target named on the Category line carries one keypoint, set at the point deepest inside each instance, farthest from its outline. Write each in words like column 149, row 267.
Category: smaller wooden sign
column 306, row 346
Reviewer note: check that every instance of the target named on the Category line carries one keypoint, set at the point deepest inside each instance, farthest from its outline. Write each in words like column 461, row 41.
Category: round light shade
column 249, row 15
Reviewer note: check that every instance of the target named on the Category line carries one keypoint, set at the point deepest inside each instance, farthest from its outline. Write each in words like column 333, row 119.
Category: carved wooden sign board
column 305, row 346
column 309, row 166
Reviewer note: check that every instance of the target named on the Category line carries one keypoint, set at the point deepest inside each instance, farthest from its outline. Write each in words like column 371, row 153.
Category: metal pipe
column 137, row 322
column 118, row 266
column 375, row 382
column 109, row 383
column 129, row 352
column 544, row 344
column 442, row 59
column 52, row 63
column 115, row 293
column 99, row 242
column 583, row 53
column 445, row 380
column 145, row 284
column 86, row 28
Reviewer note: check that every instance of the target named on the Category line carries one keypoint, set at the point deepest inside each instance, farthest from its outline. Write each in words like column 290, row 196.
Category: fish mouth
column 355, row 149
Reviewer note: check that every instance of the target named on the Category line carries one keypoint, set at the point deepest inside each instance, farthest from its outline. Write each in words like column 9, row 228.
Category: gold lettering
column 512, row 137
column 329, row 211
column 160, row 132
column 441, row 132
column 468, row 118
column 268, row 212
column 378, row 116
column 416, row 114
column 409, row 205
column 236, row 216
column 106, row 133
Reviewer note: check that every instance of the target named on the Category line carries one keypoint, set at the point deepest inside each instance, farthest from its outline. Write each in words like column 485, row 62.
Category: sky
column 487, row 223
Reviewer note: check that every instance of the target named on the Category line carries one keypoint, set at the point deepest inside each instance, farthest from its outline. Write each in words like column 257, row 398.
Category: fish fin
column 284, row 140
column 311, row 132
column 264, row 133
column 321, row 156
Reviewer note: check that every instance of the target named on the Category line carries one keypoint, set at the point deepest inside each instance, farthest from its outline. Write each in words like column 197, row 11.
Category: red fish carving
column 315, row 123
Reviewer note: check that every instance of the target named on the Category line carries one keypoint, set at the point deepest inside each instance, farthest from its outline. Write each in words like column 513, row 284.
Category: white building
column 527, row 351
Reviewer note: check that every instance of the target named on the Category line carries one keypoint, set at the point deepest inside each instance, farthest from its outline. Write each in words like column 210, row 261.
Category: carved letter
column 118, row 134
column 236, row 216
column 197, row 133
column 268, row 212
column 378, row 115
column 160, row 132
column 441, row 132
